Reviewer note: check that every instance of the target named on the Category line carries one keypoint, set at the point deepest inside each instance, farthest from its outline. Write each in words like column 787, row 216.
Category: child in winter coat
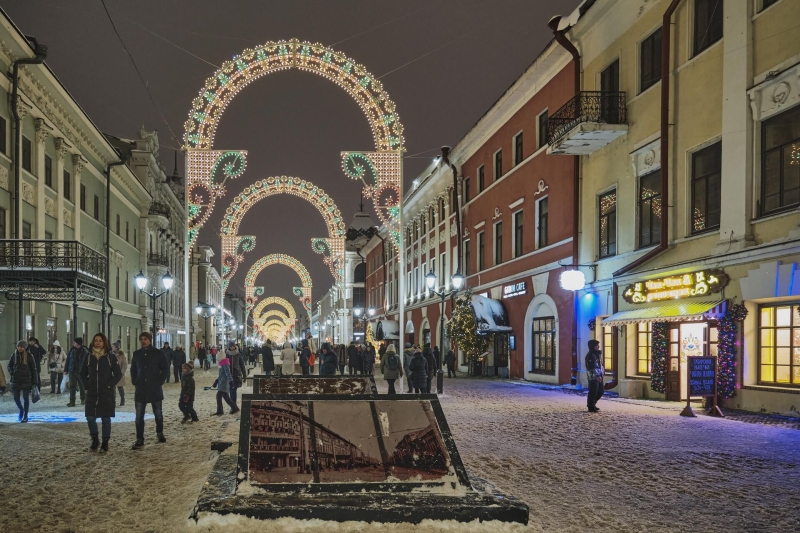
column 224, row 383
column 186, row 404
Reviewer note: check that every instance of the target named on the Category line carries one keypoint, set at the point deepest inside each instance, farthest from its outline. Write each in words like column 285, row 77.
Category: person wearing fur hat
column 22, row 369
column 100, row 374
column 55, row 363
column 186, row 404
column 76, row 358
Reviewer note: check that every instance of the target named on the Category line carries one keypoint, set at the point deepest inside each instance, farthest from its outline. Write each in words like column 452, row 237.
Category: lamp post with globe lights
column 430, row 282
column 362, row 318
column 206, row 312
column 141, row 283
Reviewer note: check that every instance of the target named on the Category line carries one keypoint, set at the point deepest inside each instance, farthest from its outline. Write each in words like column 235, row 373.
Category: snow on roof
column 490, row 315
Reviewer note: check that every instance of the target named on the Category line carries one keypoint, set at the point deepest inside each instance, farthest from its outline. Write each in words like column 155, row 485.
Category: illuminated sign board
column 516, row 289
column 676, row 287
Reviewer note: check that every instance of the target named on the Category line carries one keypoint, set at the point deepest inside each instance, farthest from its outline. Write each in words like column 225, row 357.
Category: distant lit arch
column 252, row 292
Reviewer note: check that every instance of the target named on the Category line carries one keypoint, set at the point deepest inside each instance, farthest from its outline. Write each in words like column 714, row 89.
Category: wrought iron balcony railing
column 158, row 260
column 54, row 256
column 159, row 209
column 587, row 106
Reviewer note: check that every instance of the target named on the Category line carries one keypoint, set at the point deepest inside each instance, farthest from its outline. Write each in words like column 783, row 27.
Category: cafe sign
column 676, row 287
column 517, row 289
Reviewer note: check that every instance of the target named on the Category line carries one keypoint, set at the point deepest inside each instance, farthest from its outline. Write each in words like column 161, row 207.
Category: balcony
column 158, row 260
column 158, row 210
column 588, row 122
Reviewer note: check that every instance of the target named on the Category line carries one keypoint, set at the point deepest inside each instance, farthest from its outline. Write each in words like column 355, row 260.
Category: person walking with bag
column 391, row 367
column 75, row 361
column 224, row 382
column 594, row 374
column 408, row 355
column 100, row 374
column 186, row 404
column 55, row 363
column 149, row 369
column 122, row 361
column 369, row 360
column 419, row 373
column 22, row 370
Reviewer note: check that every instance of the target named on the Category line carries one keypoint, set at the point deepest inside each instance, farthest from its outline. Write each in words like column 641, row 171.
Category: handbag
column 35, row 396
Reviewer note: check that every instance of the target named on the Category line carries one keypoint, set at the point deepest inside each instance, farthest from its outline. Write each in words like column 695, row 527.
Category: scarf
column 98, row 353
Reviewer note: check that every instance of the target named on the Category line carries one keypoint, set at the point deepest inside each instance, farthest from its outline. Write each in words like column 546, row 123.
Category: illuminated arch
column 252, row 292
column 385, row 163
column 275, row 313
column 234, row 246
column 273, row 300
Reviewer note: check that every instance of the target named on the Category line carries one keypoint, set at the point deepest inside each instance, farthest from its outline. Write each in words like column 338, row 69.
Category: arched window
column 359, row 274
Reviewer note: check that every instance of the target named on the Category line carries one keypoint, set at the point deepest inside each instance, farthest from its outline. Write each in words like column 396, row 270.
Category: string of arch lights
column 252, row 292
column 385, row 163
column 234, row 246
column 273, row 300
column 274, row 313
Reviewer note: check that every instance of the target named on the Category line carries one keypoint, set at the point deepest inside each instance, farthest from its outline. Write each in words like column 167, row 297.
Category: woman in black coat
column 419, row 373
column 22, row 369
column 100, row 375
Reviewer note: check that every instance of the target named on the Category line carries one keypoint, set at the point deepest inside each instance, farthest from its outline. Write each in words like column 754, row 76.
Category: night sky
column 292, row 123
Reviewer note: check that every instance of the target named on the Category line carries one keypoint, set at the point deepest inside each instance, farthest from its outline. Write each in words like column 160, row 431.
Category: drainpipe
column 457, row 208
column 562, row 39
column 107, row 308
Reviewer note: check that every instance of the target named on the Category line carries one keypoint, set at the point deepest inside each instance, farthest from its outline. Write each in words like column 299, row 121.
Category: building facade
column 206, row 292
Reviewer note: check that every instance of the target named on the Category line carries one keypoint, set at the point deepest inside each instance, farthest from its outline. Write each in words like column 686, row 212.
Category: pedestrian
column 382, row 351
column 2, row 381
column 224, row 383
column 431, row 363
column 55, row 362
column 369, row 360
column 100, row 374
column 305, row 355
column 419, row 373
column 186, row 403
column 437, row 357
column 193, row 353
column 288, row 356
column 169, row 354
column 594, row 375
column 450, row 361
column 22, row 370
column 353, row 359
column 149, row 368
column 201, row 357
column 341, row 353
column 38, row 353
column 391, row 368
column 122, row 361
column 329, row 362
column 238, row 368
column 214, row 352
column 408, row 354
column 75, row 361
column 178, row 360
column 268, row 359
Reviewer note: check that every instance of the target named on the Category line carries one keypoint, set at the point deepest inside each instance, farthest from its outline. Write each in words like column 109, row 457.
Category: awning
column 673, row 312
column 387, row 330
column 490, row 315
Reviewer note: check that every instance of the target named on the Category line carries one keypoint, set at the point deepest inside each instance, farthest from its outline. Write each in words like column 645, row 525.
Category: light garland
column 252, row 292
column 659, row 351
column 273, row 300
column 275, row 313
column 726, row 349
column 462, row 329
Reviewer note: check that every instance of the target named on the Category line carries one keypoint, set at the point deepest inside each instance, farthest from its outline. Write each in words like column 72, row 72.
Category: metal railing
column 587, row 106
column 158, row 260
column 157, row 208
column 52, row 255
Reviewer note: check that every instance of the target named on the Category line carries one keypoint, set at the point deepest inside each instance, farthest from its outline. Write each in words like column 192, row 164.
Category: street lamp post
column 141, row 282
column 430, row 282
column 205, row 312
column 362, row 320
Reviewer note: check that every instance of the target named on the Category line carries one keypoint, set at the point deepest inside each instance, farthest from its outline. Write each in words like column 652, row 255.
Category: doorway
column 687, row 339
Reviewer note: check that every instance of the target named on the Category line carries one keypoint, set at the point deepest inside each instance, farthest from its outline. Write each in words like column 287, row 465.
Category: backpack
column 393, row 362
column 22, row 372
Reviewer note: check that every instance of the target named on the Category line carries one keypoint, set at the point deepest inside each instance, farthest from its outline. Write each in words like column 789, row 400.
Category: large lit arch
column 273, row 300
column 252, row 292
column 271, row 313
column 234, row 245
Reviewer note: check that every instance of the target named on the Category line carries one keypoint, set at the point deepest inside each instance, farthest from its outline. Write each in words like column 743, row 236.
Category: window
column 27, row 154
column 518, row 233
column 48, row 236
column 498, row 243
column 609, row 84
column 442, row 270
column 48, row 171
column 498, row 165
column 518, row 149
column 481, row 182
column 117, row 284
column 643, row 331
column 608, row 224
column 67, row 186
column 707, row 23
column 779, row 343
column 766, row 3
column 134, row 237
column 127, row 231
column 416, row 230
column 706, row 193
column 118, row 233
column 422, row 223
column 96, row 207
column 3, row 139
column 83, row 197
column 466, row 190
column 650, row 61
column 466, row 256
column 543, row 135
column 26, row 230
column 780, row 139
column 2, row 223
column 541, row 226
column 607, row 345
column 441, row 210
column 416, row 282
column 544, row 345
column 650, row 209
column 481, row 250
column 127, row 290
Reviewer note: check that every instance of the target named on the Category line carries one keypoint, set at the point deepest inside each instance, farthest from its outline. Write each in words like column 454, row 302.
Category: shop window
column 706, row 192
column 518, row 148
column 542, row 123
column 48, row 171
column 707, row 23
column 544, row 345
column 780, row 161
column 608, row 224
column 498, row 243
column 643, row 359
column 779, row 345
column 650, row 209
column 481, row 179
column 650, row 61
column 607, row 345
column 541, row 222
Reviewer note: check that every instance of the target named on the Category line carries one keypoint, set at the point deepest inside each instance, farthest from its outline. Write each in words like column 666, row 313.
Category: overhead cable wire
column 426, row 54
column 386, row 23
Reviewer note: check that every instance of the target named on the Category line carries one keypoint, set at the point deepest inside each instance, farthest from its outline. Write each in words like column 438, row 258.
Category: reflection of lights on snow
column 65, row 417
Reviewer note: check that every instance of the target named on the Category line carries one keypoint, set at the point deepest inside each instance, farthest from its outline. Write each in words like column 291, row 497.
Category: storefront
column 491, row 319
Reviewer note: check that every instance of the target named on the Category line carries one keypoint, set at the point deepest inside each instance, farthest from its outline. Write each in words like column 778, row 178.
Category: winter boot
column 121, row 398
column 186, row 418
column 138, row 444
column 71, row 404
column 162, row 438
column 104, row 446
column 95, row 443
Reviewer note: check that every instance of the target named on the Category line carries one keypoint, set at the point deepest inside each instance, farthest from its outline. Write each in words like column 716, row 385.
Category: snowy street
column 631, row 467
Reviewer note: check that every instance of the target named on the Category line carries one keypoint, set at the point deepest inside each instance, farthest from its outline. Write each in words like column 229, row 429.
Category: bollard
column 439, row 381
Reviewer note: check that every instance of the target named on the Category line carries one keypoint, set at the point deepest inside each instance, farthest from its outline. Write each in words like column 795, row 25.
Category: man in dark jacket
column 267, row 361
column 38, row 353
column 428, row 355
column 169, row 354
column 178, row 360
column 238, row 368
column 305, row 353
column 149, row 369
column 327, row 366
column 594, row 374
column 75, row 361
column 437, row 356
column 408, row 354
column 353, row 359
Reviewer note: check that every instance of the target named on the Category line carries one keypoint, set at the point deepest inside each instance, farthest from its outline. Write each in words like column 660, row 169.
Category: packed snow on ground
column 633, row 467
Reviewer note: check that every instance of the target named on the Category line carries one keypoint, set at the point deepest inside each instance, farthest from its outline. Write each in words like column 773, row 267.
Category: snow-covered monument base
column 340, row 457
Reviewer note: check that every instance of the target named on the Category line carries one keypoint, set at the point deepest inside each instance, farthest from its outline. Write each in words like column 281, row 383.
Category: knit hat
column 24, row 344
column 79, row 340
column 187, row 366
column 146, row 334
column 408, row 345
column 390, row 349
